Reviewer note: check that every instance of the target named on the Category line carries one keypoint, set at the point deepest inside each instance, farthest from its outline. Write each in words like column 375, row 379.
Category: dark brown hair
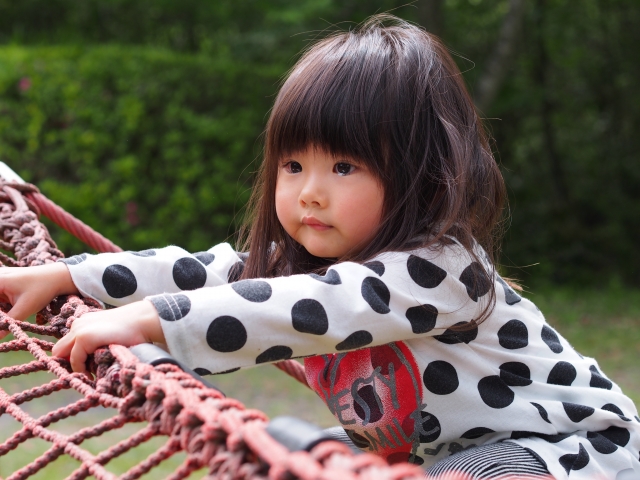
column 389, row 95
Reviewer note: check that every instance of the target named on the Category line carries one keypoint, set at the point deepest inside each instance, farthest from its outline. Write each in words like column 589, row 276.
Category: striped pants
column 496, row 461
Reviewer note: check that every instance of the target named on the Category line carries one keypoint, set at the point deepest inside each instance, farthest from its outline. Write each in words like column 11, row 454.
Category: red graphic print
column 376, row 394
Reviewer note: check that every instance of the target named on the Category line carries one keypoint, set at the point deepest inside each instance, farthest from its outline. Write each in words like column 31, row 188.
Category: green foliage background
column 143, row 117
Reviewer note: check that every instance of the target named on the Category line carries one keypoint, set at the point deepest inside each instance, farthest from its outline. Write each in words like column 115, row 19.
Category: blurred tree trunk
column 541, row 68
column 430, row 16
column 500, row 58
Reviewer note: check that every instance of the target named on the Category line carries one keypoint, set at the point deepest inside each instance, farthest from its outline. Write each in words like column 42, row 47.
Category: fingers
column 3, row 334
column 79, row 357
column 62, row 348
column 76, row 351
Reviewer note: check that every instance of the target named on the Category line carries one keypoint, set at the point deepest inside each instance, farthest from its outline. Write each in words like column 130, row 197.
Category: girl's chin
column 323, row 251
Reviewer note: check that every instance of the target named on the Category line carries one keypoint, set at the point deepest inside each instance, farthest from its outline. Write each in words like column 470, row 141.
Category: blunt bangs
column 353, row 95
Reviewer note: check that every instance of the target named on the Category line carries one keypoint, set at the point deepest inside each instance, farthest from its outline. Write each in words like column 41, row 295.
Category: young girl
column 371, row 257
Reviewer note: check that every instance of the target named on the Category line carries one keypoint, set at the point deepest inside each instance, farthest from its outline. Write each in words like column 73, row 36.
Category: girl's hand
column 129, row 325
column 30, row 289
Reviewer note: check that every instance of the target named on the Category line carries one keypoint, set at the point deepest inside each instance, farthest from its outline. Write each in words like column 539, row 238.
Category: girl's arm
column 398, row 297
column 118, row 279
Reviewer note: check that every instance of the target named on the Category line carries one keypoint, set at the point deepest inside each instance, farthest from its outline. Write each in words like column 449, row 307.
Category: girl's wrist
column 150, row 322
column 59, row 276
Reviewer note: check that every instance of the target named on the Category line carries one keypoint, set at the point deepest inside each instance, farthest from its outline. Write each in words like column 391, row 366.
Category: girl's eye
column 293, row 167
column 343, row 168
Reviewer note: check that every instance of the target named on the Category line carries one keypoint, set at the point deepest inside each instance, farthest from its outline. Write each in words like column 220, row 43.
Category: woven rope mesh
column 131, row 420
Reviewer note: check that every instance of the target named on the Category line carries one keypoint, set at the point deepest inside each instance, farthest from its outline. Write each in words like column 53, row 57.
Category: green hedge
column 148, row 146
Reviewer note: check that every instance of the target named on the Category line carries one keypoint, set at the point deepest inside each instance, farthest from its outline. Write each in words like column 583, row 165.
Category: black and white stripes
column 497, row 461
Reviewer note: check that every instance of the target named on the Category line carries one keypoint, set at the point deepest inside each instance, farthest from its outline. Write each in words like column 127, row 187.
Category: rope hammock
column 212, row 432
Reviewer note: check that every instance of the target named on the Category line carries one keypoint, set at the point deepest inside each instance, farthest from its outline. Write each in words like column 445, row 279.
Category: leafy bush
column 171, row 134
column 148, row 146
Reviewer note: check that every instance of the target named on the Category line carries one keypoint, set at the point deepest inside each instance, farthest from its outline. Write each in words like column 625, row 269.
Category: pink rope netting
column 215, row 436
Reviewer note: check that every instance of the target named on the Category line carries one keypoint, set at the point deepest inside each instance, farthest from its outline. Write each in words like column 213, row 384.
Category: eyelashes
column 292, row 167
column 344, row 168
column 341, row 168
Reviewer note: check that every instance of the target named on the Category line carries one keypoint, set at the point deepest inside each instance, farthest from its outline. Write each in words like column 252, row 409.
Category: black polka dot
column 562, row 373
column 618, row 435
column 274, row 354
column 515, row 374
column 144, row 253
column 601, row 444
column 231, row 370
column 201, row 371
column 205, row 257
column 576, row 461
column 476, row 281
column 376, row 294
column 330, row 278
column 119, row 281
column 598, row 380
column 554, row 438
column 543, row 413
column 425, row 273
column 309, row 316
column 376, row 266
column 513, row 335
column 367, row 405
column 551, row 339
column 430, row 428
column 451, row 336
column 549, row 438
column 76, row 259
column 357, row 439
column 189, row 274
column 171, row 307
column 422, row 318
column 637, row 418
column 235, row 272
column 440, row 377
column 510, row 296
column 610, row 407
column 357, row 339
column 494, row 392
column 577, row 413
column 226, row 334
column 257, row 291
column 476, row 433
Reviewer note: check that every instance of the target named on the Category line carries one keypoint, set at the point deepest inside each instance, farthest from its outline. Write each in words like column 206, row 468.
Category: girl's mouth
column 315, row 223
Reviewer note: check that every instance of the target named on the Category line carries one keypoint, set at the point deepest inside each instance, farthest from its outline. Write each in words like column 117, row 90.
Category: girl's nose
column 313, row 193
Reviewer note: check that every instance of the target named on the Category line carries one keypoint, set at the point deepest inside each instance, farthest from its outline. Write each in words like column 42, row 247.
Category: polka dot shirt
column 384, row 350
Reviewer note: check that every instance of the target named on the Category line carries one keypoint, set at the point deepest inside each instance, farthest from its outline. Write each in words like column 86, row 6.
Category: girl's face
column 330, row 206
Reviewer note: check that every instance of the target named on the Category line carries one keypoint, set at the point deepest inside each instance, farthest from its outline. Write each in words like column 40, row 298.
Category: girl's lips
column 315, row 223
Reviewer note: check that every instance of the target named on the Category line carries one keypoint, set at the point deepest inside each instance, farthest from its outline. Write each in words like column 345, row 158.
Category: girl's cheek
column 284, row 210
